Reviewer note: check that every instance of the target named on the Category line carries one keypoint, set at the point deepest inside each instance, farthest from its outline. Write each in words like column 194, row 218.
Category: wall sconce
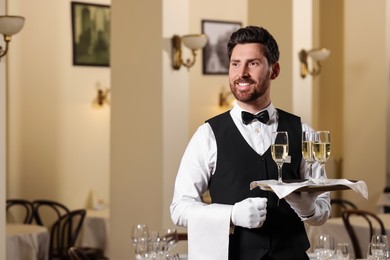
column 317, row 55
column 226, row 98
column 9, row 25
column 191, row 41
column 102, row 96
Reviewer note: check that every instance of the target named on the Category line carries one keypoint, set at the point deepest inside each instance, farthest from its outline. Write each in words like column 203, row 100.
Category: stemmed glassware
column 153, row 245
column 140, row 237
column 279, row 151
column 342, row 251
column 376, row 251
column 324, row 246
column 171, row 237
column 321, row 150
column 307, row 150
column 382, row 239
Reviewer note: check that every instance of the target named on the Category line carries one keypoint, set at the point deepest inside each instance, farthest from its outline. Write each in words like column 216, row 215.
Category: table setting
column 27, row 241
column 154, row 245
column 325, row 248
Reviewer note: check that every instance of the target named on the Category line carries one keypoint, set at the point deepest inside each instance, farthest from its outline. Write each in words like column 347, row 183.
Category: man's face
column 249, row 73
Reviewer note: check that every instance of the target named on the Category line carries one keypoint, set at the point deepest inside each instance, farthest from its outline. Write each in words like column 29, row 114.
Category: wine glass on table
column 140, row 236
column 170, row 238
column 279, row 151
column 324, row 246
column 321, row 150
column 307, row 150
column 381, row 239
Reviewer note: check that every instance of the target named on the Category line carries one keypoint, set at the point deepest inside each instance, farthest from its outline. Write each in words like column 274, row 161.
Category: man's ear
column 275, row 70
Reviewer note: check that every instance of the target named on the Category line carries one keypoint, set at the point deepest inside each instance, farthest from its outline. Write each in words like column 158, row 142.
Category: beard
column 256, row 90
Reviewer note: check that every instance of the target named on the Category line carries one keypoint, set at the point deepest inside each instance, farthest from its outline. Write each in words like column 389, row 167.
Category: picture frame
column 91, row 34
column 215, row 57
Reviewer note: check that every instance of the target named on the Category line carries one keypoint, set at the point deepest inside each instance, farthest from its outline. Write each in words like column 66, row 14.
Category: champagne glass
column 279, row 151
column 307, row 150
column 321, row 150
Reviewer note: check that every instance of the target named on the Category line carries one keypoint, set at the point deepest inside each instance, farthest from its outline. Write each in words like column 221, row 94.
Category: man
column 230, row 151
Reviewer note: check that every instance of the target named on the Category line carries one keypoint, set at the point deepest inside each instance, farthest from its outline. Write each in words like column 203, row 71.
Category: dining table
column 96, row 226
column 27, row 242
column 335, row 227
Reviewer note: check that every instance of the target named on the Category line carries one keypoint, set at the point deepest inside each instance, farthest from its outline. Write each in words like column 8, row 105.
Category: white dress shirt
column 198, row 164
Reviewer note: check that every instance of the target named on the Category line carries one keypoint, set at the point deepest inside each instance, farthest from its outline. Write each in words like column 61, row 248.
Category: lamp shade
column 10, row 25
column 319, row 54
column 194, row 41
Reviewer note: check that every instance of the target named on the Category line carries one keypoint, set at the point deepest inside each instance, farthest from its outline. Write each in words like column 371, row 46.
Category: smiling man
column 230, row 151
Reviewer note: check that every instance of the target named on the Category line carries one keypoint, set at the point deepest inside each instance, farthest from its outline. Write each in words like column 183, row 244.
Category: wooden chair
column 339, row 205
column 64, row 233
column 370, row 218
column 19, row 211
column 46, row 212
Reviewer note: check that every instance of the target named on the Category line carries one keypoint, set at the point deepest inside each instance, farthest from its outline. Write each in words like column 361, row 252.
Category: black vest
column 282, row 235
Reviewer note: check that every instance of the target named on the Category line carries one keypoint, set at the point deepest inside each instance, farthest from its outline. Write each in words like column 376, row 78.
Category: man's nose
column 244, row 72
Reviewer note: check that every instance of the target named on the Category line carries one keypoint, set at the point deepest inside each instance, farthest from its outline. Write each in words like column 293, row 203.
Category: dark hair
column 254, row 34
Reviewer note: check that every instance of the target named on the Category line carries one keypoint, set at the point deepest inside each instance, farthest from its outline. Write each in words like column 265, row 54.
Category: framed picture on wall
column 215, row 59
column 91, row 34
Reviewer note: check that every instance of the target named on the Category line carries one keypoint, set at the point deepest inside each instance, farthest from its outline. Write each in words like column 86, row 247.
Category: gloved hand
column 303, row 203
column 249, row 213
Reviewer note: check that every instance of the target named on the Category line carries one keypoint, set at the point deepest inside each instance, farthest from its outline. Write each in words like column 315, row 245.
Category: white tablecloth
column 335, row 227
column 27, row 242
column 95, row 229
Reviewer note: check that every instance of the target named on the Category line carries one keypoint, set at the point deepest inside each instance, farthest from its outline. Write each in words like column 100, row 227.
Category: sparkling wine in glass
column 321, row 150
column 279, row 151
column 307, row 150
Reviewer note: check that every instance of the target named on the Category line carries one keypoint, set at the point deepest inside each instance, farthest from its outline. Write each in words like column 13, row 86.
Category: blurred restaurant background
column 57, row 143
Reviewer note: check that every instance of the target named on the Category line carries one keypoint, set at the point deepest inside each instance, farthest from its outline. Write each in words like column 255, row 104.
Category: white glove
column 249, row 213
column 304, row 203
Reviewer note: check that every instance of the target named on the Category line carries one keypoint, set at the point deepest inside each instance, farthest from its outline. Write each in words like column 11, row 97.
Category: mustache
column 244, row 80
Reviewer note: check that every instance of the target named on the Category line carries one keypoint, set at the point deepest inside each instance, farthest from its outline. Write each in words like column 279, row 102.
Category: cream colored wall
column 58, row 144
column 366, row 86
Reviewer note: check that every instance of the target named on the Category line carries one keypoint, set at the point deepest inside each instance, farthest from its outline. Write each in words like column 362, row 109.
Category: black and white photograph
column 215, row 59
column 91, row 34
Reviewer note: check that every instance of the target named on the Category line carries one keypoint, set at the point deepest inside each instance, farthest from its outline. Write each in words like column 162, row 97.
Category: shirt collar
column 236, row 111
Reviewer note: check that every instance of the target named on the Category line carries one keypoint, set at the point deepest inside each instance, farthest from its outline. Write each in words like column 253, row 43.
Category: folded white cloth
column 208, row 232
column 282, row 190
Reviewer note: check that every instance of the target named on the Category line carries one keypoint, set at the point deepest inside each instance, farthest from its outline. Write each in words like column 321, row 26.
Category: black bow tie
column 248, row 117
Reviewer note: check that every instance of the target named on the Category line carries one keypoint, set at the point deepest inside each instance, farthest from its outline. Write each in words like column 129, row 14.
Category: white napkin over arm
column 208, row 232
